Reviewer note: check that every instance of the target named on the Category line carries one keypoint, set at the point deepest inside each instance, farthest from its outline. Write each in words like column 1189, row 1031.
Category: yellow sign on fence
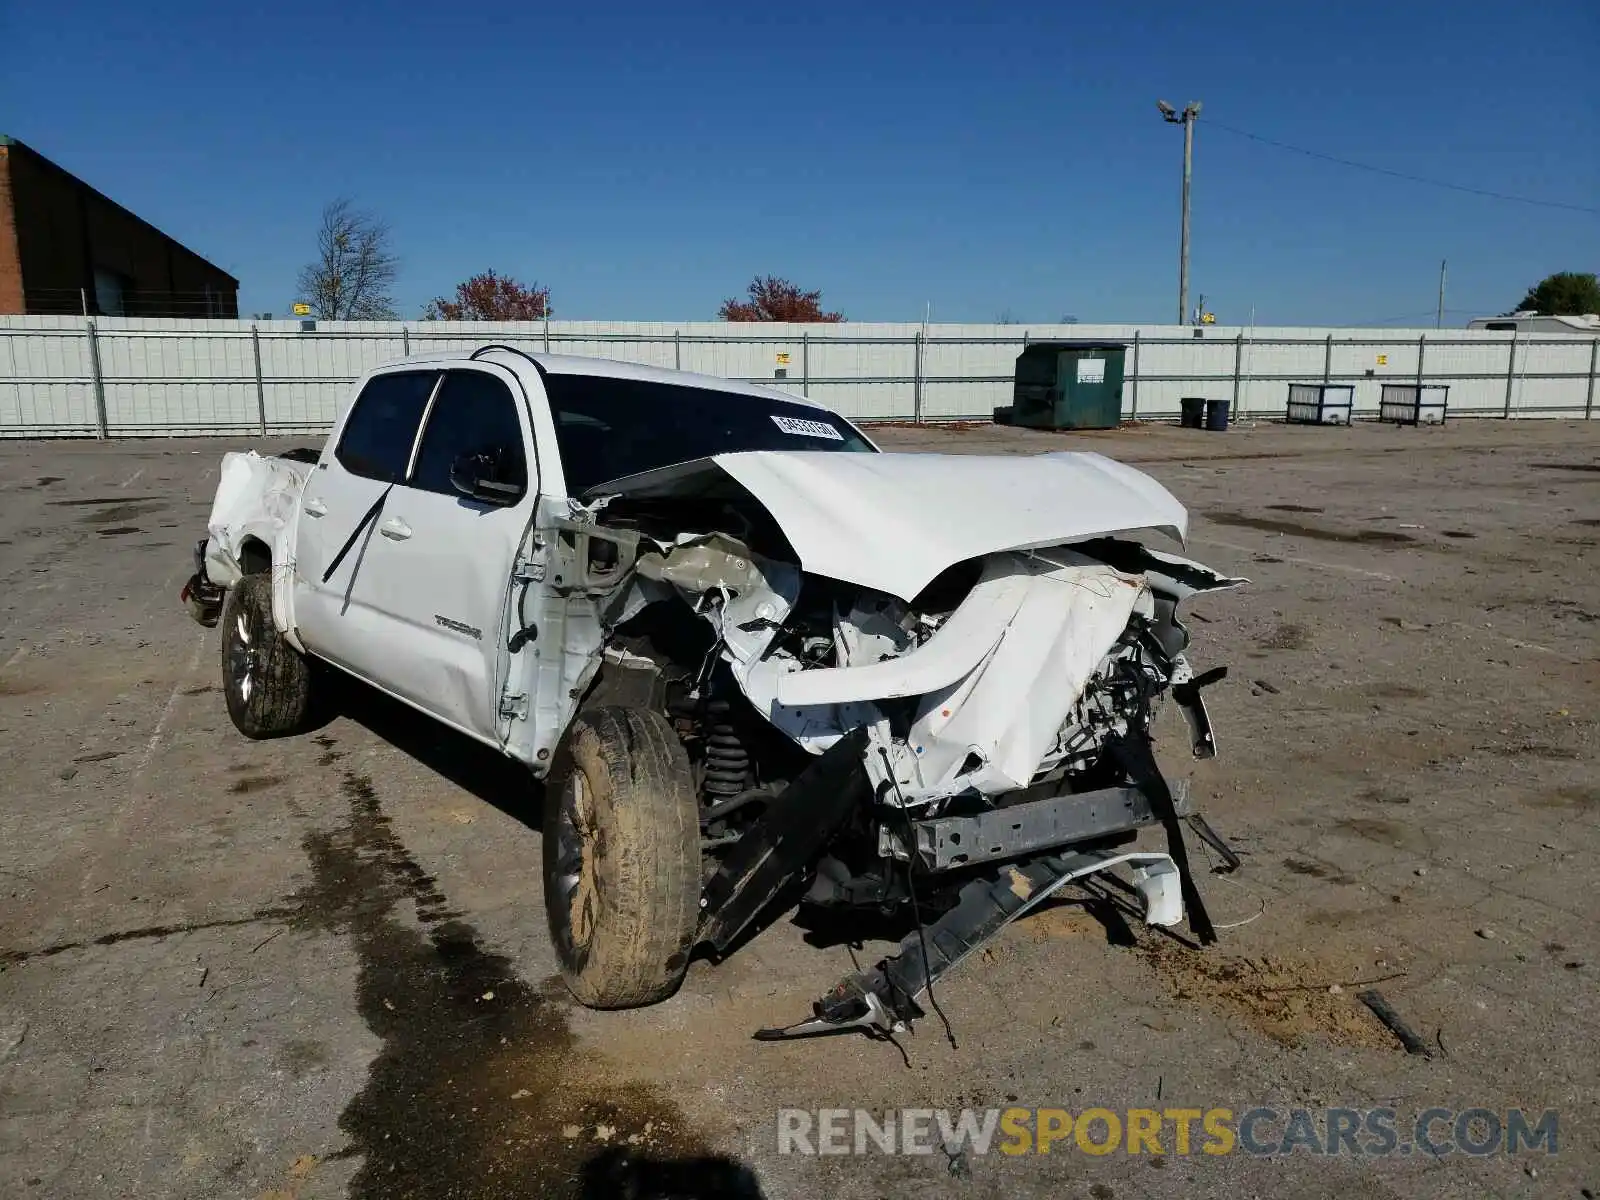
column 783, row 359
column 302, row 309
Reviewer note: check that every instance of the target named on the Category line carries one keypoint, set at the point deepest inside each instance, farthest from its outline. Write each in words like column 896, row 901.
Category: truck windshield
column 608, row 428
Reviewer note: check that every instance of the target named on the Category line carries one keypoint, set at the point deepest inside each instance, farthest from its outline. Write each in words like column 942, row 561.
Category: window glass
column 608, row 427
column 377, row 438
column 475, row 414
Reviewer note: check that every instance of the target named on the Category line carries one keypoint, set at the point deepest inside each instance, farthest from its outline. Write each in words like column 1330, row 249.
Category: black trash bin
column 1217, row 415
column 1192, row 412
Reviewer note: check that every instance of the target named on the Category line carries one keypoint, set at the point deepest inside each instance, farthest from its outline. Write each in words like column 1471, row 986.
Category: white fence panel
column 46, row 384
column 66, row 377
column 1171, row 368
column 1549, row 379
column 1475, row 373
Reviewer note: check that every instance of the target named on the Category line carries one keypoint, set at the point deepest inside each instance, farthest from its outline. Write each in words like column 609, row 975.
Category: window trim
column 422, row 428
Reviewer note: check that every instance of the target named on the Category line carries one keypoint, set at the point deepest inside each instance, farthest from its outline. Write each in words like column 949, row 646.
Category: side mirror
column 476, row 476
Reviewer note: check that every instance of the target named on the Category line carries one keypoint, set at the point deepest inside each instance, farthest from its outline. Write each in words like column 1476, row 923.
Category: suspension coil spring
column 727, row 758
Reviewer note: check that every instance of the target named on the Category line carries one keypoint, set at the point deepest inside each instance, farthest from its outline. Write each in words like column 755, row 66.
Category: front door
column 441, row 573
column 440, row 564
column 417, row 605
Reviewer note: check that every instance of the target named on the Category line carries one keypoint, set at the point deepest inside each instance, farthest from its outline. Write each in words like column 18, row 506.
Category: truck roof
column 610, row 368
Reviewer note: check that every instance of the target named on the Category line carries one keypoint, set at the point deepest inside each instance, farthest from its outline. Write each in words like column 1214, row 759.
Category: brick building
column 67, row 248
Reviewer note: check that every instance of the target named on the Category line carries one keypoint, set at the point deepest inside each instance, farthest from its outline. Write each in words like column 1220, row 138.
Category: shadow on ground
column 470, row 765
column 479, row 1087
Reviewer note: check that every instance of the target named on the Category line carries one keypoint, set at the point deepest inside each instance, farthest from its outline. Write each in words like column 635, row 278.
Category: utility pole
column 1187, row 119
column 1438, row 322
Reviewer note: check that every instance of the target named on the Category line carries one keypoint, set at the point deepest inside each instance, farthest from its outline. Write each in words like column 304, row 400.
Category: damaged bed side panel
column 257, row 500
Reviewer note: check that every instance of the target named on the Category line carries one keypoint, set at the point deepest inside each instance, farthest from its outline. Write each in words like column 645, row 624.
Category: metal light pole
column 1187, row 119
column 1439, row 320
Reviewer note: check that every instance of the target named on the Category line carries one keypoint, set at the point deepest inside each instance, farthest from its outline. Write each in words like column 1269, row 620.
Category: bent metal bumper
column 1029, row 827
column 1028, row 852
column 883, row 999
column 200, row 596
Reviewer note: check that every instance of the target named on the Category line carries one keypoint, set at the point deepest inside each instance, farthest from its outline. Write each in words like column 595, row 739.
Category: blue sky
column 645, row 160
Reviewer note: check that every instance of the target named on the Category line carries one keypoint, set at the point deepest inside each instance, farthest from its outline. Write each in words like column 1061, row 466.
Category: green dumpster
column 1069, row 385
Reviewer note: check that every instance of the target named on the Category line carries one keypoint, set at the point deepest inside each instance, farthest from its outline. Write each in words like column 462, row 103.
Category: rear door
column 438, row 573
column 339, row 618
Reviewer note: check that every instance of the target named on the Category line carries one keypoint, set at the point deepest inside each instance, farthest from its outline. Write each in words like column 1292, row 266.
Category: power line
column 1417, row 316
column 1438, row 183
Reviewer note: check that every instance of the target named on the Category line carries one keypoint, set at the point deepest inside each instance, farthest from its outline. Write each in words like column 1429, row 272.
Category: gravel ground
column 319, row 967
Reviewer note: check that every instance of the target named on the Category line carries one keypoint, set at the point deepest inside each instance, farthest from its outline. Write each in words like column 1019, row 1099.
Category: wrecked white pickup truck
column 757, row 661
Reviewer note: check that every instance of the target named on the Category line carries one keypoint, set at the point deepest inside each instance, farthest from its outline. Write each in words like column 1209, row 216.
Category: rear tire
column 622, row 858
column 267, row 681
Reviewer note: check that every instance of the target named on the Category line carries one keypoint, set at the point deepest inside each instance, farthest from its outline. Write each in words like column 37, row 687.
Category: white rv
column 1532, row 322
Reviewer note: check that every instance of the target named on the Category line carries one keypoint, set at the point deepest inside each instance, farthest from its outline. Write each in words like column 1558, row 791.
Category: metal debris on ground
column 1381, row 1009
column 1230, row 857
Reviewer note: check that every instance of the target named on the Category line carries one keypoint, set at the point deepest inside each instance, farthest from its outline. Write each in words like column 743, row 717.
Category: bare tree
column 354, row 267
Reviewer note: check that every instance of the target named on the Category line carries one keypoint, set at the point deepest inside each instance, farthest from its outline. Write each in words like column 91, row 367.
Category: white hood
column 894, row 521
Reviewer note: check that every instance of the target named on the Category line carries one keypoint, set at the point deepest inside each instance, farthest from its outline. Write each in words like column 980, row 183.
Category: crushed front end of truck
column 940, row 718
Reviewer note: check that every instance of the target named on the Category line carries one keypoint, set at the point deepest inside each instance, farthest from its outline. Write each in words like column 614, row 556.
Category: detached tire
column 267, row 682
column 622, row 858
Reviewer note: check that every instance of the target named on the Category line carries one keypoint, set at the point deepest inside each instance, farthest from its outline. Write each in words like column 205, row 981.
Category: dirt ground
column 319, row 967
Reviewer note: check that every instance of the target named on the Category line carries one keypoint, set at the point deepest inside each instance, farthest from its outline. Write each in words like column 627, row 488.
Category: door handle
column 316, row 508
column 395, row 529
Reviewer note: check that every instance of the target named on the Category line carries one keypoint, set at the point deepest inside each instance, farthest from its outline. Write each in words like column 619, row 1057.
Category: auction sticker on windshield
column 803, row 428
